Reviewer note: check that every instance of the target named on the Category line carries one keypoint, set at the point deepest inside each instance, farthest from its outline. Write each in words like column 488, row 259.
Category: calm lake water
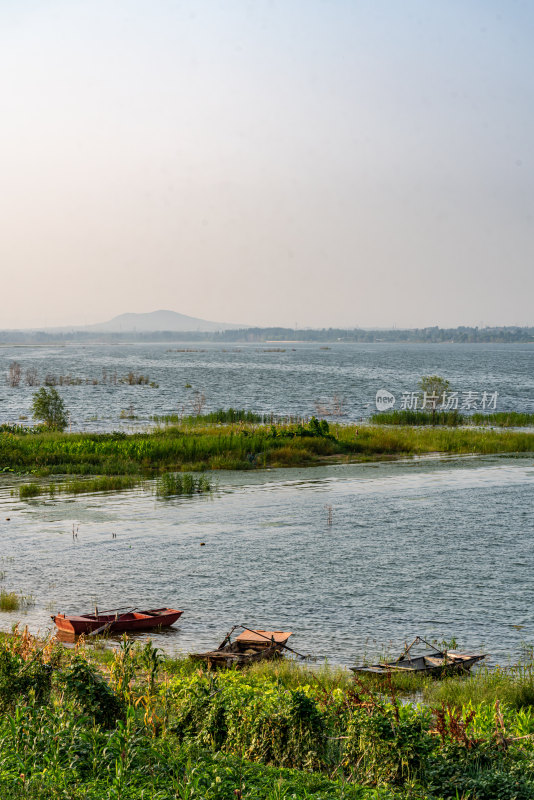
column 437, row 547
column 279, row 378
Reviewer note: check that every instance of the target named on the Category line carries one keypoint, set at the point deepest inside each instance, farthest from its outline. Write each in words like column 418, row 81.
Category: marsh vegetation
column 198, row 445
column 13, row 601
column 167, row 485
column 501, row 419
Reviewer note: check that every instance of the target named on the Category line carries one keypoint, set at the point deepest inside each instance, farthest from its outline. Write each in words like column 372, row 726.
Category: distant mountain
column 157, row 321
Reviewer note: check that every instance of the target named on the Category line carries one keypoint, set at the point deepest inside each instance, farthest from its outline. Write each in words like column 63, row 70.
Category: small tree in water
column 433, row 389
column 48, row 405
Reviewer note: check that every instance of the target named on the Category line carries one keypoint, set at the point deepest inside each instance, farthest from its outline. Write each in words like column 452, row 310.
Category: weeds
column 11, row 601
column 104, row 483
column 504, row 419
column 406, row 417
column 175, row 484
column 28, row 490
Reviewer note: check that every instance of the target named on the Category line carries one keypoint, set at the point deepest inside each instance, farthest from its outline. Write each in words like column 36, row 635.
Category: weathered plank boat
column 436, row 662
column 248, row 647
column 115, row 621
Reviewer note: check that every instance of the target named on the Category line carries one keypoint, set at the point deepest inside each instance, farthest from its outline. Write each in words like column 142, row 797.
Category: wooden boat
column 248, row 647
column 436, row 662
column 115, row 621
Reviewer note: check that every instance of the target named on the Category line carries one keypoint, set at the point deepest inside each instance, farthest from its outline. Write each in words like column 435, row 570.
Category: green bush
column 83, row 684
column 20, row 679
column 48, row 405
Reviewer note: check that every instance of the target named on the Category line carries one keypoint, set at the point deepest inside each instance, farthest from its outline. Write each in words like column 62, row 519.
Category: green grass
column 172, row 484
column 167, row 485
column 103, row 483
column 219, row 416
column 11, row 601
column 513, row 686
column 504, row 419
column 406, row 417
column 199, row 446
column 28, row 490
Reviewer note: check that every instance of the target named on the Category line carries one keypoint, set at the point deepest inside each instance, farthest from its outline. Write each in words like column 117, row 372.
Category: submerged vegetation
column 199, row 445
column 104, row 483
column 132, row 724
column 172, row 484
column 228, row 415
column 166, row 486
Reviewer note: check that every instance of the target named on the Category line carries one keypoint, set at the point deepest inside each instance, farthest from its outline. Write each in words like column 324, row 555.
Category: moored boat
column 115, row 621
column 248, row 647
column 435, row 662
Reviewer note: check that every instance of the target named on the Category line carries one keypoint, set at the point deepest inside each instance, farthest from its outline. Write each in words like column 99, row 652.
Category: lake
column 441, row 547
column 294, row 378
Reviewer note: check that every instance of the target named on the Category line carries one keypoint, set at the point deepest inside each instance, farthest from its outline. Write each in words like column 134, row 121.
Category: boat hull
column 132, row 621
column 217, row 659
column 449, row 667
column 247, row 648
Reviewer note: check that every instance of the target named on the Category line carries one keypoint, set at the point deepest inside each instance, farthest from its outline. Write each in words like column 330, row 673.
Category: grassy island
column 129, row 724
column 197, row 444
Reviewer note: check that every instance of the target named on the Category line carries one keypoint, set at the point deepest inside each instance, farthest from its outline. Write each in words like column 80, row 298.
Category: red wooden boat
column 116, row 622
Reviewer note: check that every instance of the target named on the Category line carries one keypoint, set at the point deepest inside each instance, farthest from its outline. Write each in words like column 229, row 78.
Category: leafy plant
column 82, row 683
column 48, row 405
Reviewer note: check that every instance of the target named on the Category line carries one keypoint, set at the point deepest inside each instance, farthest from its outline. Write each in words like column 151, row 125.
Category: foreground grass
column 199, row 445
column 130, row 724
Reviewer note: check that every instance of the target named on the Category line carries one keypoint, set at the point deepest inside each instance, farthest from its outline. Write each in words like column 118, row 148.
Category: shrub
column 48, row 405
column 20, row 678
column 83, row 684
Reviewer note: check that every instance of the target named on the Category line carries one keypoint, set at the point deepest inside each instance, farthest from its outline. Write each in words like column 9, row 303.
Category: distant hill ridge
column 162, row 320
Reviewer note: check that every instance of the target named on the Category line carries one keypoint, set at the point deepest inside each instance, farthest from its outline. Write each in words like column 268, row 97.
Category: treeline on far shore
column 435, row 335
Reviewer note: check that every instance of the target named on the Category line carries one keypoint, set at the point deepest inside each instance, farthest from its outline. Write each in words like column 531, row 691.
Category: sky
column 267, row 162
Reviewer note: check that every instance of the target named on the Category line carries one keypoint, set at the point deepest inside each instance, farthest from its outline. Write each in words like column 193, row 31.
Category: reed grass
column 28, row 490
column 172, row 484
column 103, row 483
column 512, row 685
column 501, row 419
column 12, row 601
column 200, row 445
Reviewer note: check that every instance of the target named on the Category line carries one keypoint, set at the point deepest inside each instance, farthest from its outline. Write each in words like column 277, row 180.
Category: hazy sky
column 334, row 162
